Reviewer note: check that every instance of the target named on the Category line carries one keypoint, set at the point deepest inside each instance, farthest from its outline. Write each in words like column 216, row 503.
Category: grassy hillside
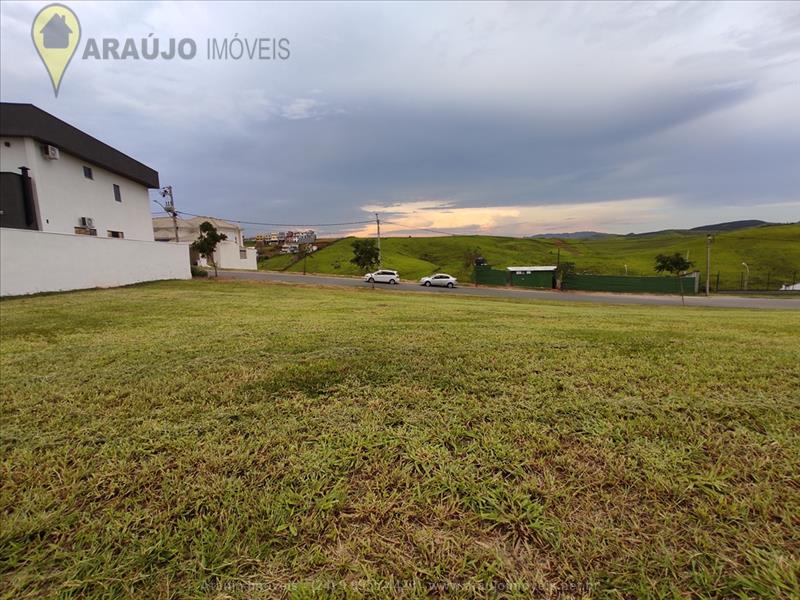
column 279, row 262
column 319, row 443
column 771, row 248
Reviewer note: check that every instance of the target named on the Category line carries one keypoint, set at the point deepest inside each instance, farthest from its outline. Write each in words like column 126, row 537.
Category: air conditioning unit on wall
column 87, row 222
column 51, row 152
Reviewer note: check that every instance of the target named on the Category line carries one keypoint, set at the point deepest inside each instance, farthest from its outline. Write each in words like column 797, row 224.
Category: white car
column 440, row 279
column 383, row 276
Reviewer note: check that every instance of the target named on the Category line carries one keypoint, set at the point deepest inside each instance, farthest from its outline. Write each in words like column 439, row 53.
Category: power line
column 280, row 224
column 243, row 222
column 407, row 228
column 722, row 234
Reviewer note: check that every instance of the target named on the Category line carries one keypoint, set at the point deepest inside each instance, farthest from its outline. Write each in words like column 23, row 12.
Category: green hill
column 771, row 251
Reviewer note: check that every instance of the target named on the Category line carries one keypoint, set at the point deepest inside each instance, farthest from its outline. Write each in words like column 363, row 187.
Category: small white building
column 230, row 254
column 74, row 212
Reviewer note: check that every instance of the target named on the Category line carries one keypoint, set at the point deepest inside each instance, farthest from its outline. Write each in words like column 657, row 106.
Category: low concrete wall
column 227, row 256
column 37, row 261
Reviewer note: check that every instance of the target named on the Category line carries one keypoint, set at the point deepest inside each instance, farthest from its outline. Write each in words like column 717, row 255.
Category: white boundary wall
column 227, row 257
column 38, row 261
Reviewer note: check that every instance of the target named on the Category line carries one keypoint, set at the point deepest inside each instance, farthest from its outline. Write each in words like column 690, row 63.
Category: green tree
column 207, row 242
column 470, row 256
column 365, row 254
column 562, row 271
column 675, row 264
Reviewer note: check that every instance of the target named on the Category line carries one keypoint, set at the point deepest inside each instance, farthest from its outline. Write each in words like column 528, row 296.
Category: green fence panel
column 615, row 283
column 589, row 283
column 535, row 279
column 489, row 276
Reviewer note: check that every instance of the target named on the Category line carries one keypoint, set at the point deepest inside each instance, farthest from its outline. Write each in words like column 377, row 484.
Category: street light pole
column 708, row 265
column 169, row 207
column 378, row 221
column 747, row 275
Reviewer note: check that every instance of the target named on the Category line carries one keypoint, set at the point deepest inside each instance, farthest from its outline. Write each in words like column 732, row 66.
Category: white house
column 230, row 254
column 74, row 212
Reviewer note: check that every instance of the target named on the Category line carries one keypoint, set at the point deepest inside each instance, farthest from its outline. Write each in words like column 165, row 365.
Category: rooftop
column 27, row 120
column 194, row 222
column 545, row 268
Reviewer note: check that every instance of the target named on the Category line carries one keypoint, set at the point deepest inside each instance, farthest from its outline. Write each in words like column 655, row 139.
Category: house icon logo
column 56, row 33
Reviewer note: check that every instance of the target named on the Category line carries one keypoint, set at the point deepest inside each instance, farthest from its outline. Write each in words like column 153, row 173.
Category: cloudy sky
column 495, row 118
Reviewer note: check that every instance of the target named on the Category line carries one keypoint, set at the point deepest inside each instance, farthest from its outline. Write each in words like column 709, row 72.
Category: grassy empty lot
column 162, row 439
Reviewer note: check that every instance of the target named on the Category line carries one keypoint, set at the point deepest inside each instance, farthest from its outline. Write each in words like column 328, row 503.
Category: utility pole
column 708, row 265
column 378, row 221
column 169, row 207
column 747, row 276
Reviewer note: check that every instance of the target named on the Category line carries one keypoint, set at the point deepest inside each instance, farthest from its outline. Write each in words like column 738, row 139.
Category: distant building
column 533, row 276
column 305, row 237
column 230, row 254
column 288, row 237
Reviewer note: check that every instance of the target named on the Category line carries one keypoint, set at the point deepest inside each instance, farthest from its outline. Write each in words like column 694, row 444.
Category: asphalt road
column 552, row 295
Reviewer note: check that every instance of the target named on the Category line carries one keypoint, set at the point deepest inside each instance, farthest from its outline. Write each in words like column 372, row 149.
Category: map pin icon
column 56, row 33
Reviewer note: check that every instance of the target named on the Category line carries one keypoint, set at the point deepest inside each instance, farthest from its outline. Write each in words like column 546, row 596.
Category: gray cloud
column 473, row 105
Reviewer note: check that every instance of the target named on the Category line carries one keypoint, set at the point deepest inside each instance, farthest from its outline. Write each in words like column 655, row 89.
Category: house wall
column 234, row 235
column 63, row 194
column 36, row 261
column 166, row 233
column 227, row 257
column 13, row 156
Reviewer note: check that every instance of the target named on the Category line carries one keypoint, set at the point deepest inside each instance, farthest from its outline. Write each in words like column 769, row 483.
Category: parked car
column 383, row 276
column 440, row 279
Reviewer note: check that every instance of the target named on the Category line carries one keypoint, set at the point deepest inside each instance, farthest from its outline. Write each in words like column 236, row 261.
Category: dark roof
column 26, row 120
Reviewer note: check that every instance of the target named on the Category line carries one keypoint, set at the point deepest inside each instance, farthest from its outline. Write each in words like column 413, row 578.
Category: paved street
column 592, row 297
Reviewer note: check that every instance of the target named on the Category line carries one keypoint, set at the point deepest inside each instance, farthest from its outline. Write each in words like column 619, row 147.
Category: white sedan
column 440, row 279
column 383, row 276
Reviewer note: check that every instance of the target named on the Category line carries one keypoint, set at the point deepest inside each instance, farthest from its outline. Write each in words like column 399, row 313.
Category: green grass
column 771, row 251
column 165, row 437
column 279, row 262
